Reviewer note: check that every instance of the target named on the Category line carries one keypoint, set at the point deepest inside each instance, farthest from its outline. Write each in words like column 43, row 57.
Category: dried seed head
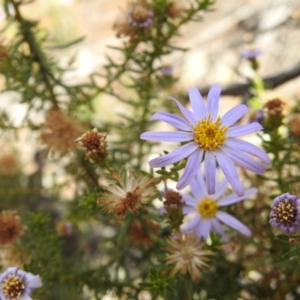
column 274, row 107
column 94, row 144
column 139, row 235
column 128, row 195
column 294, row 124
column 173, row 200
column 187, row 256
column 138, row 15
column 59, row 132
column 64, row 228
column 9, row 163
column 10, row 227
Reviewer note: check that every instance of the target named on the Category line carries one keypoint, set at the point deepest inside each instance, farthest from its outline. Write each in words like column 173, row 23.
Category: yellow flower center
column 208, row 135
column 13, row 286
column 207, row 208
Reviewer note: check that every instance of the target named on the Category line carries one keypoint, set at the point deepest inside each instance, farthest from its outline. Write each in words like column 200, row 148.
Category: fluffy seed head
column 128, row 195
column 60, row 131
column 187, row 256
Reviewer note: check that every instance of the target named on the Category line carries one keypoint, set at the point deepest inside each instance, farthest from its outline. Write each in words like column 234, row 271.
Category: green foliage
column 105, row 254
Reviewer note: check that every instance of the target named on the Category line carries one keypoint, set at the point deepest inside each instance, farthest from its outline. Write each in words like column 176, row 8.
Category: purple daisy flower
column 285, row 213
column 204, row 209
column 16, row 284
column 211, row 137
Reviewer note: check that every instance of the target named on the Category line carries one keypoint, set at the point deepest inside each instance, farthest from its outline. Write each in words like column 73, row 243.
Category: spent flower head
column 204, row 209
column 9, row 162
column 94, row 144
column 173, row 208
column 139, row 14
column 139, row 233
column 175, row 8
column 59, row 132
column 285, row 213
column 209, row 137
column 187, row 256
column 16, row 284
column 11, row 227
column 129, row 194
column 294, row 124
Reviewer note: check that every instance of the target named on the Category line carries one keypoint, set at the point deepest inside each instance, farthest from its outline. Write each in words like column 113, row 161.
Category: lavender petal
column 210, row 172
column 174, row 156
column 234, row 114
column 190, row 225
column 213, row 101
column 230, row 171
column 192, row 166
column 197, row 103
column 190, row 116
column 233, row 198
column 167, row 136
column 244, row 129
column 198, row 186
column 189, row 200
column 245, row 160
column 204, row 228
column 248, row 148
column 173, row 120
column 233, row 223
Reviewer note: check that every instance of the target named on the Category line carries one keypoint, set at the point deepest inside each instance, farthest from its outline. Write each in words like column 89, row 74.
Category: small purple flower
column 250, row 53
column 16, row 284
column 285, row 213
column 167, row 70
column 204, row 209
column 209, row 137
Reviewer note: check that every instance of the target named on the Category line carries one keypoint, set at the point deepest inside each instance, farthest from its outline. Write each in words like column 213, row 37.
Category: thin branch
column 270, row 82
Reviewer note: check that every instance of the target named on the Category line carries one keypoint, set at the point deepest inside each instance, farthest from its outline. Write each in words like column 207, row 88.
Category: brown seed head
column 274, row 107
column 129, row 195
column 9, row 163
column 294, row 124
column 10, row 227
column 173, row 200
column 139, row 235
column 60, row 131
column 187, row 256
column 94, row 144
